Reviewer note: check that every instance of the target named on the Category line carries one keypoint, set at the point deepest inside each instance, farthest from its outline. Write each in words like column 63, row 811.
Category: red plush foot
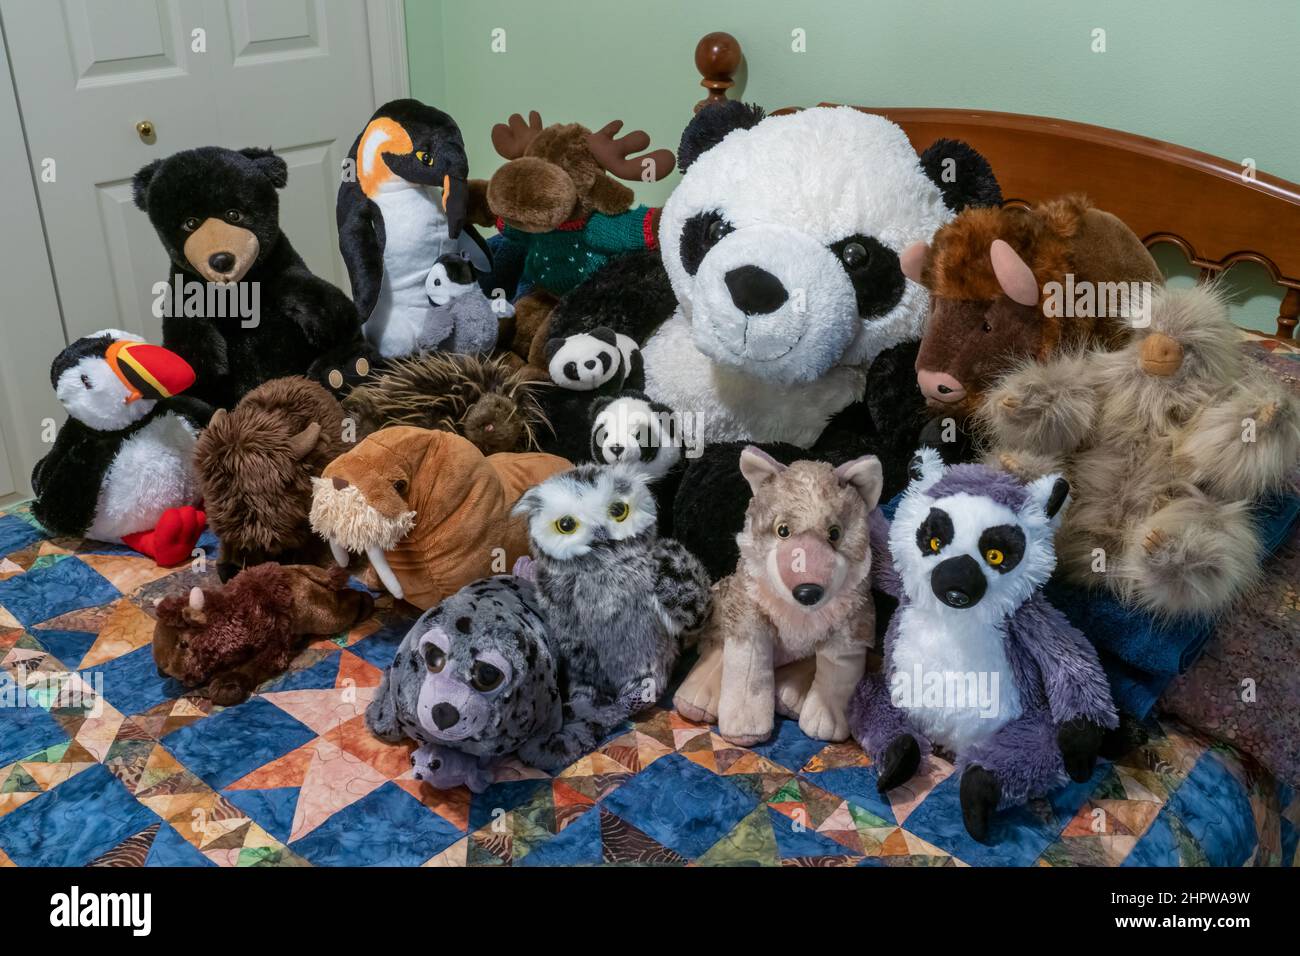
column 172, row 541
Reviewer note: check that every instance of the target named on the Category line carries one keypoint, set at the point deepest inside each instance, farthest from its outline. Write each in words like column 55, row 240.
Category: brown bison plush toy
column 231, row 639
column 1008, row 284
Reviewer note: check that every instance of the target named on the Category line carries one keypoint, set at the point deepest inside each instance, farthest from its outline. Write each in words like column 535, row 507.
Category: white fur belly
column 732, row 406
column 415, row 234
column 153, row 471
column 955, row 683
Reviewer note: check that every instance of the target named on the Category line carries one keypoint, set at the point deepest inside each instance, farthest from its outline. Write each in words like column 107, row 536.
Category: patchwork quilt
column 104, row 762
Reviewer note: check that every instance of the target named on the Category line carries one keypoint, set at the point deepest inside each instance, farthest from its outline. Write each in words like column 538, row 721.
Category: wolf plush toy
column 975, row 659
column 794, row 623
column 475, row 680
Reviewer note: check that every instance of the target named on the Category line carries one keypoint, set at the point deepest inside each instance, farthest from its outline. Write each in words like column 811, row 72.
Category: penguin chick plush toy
column 121, row 469
column 463, row 319
column 405, row 206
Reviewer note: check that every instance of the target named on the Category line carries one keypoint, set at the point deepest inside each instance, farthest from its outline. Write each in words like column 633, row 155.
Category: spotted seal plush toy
column 475, row 680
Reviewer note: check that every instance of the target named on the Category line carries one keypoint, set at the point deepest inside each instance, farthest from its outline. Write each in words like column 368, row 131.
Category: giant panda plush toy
column 776, row 311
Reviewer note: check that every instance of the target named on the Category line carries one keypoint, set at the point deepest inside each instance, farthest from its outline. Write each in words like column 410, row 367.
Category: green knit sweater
column 559, row 260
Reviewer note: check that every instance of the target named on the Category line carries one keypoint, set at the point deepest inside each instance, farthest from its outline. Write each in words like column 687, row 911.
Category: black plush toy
column 775, row 311
column 243, row 308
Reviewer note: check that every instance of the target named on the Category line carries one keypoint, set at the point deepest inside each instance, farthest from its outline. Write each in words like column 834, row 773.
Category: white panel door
column 294, row 75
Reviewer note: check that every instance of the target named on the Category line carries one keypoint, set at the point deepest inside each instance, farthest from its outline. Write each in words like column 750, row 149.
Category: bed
column 104, row 762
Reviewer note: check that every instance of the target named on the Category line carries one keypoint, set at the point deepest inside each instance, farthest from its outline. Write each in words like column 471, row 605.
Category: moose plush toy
column 975, row 659
column 1002, row 284
column 427, row 508
column 1166, row 443
column 231, row 639
column 557, row 196
column 794, row 623
column 256, row 464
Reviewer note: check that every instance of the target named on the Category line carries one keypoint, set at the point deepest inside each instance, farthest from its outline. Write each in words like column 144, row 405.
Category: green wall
column 1213, row 75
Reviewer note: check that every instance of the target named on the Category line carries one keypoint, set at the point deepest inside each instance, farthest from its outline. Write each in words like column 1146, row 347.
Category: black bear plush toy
column 242, row 307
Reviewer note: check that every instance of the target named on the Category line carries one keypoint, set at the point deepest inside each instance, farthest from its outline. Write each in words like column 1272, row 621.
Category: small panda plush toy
column 976, row 661
column 601, row 361
column 463, row 319
column 629, row 429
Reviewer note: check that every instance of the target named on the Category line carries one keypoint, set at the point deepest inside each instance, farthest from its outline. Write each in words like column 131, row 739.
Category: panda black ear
column 711, row 124
column 271, row 165
column 604, row 334
column 552, row 346
column 140, row 184
column 963, row 176
column 598, row 406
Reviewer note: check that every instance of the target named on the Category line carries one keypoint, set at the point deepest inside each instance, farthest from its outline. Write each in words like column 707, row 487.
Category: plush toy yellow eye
column 935, row 545
column 994, row 557
column 566, row 525
column 619, row 511
column 782, row 529
column 424, row 157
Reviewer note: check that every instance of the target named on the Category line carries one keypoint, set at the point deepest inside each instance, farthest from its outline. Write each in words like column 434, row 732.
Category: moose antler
column 512, row 137
column 615, row 154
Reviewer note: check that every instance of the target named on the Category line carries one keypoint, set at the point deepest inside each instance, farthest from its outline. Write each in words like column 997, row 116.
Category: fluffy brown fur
column 1156, row 441
column 233, row 638
column 256, row 463
column 486, row 400
column 769, row 640
column 975, row 331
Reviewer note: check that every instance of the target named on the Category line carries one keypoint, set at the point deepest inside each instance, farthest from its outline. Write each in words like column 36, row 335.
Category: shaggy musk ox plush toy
column 231, row 639
column 486, row 400
column 256, row 464
column 779, row 290
column 427, row 508
column 557, row 196
column 975, row 659
column 217, row 213
column 476, row 679
column 792, row 626
column 997, row 278
column 1166, row 443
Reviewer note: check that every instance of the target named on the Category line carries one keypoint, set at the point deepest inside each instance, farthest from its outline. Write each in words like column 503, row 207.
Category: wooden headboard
column 1215, row 210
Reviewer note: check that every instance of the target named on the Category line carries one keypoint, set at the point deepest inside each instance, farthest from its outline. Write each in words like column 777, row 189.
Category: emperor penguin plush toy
column 405, row 207
column 121, row 469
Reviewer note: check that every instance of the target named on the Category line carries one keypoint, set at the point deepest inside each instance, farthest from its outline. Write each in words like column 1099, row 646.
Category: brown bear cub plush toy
column 793, row 625
column 231, row 639
column 256, row 464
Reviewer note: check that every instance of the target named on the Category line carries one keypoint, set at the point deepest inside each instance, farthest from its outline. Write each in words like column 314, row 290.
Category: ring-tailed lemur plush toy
column 475, row 680
column 629, row 429
column 975, row 659
column 776, row 309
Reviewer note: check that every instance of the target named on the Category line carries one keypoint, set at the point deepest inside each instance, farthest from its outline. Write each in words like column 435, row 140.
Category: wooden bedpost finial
column 717, row 57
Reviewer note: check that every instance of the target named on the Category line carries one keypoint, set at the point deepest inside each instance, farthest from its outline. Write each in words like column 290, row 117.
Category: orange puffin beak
column 148, row 371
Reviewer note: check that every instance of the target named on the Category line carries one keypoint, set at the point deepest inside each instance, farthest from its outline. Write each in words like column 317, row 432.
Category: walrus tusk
column 379, row 561
column 340, row 553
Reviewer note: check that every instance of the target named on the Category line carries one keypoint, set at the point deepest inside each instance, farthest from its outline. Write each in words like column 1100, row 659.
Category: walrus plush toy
column 428, row 509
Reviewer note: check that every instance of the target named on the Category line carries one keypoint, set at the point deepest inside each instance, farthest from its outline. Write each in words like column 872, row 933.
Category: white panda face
column 584, row 363
column 632, row 431
column 782, row 243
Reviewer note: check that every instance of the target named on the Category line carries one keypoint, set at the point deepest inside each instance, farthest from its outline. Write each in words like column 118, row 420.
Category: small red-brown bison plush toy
column 232, row 638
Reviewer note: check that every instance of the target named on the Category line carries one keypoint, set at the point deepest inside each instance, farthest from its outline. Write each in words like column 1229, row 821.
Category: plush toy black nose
column 445, row 715
column 590, row 363
column 616, row 451
column 755, row 291
column 808, row 594
column 958, row 582
column 221, row 261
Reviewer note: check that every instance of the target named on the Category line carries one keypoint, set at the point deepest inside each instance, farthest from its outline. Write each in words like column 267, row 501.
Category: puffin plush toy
column 405, row 207
column 121, row 469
